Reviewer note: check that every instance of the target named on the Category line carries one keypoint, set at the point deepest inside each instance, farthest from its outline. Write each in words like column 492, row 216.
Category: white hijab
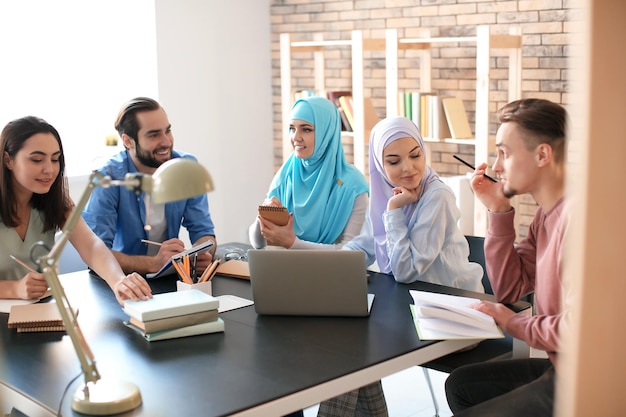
column 381, row 189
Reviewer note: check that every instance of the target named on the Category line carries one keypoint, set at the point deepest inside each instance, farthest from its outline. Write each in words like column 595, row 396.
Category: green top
column 12, row 244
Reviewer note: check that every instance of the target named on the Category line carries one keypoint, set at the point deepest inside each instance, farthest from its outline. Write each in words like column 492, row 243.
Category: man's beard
column 509, row 193
column 146, row 158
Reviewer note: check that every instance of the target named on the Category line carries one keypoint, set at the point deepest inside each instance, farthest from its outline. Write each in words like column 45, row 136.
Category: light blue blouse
column 430, row 249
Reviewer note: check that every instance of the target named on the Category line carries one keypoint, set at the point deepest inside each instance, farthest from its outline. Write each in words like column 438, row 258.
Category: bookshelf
column 485, row 42
column 317, row 46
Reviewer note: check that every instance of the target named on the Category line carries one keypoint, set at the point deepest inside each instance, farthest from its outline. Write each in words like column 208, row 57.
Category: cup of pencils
column 188, row 277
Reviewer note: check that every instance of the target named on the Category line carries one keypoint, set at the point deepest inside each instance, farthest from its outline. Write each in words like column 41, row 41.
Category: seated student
column 410, row 231
column 325, row 196
column 119, row 217
column 531, row 152
column 35, row 205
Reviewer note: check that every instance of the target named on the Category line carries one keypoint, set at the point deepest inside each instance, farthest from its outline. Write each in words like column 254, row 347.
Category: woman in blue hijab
column 325, row 196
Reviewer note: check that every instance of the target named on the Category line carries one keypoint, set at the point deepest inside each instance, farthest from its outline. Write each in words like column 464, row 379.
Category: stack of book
column 174, row 314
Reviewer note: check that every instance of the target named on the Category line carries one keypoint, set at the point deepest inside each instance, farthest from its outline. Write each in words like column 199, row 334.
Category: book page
column 442, row 316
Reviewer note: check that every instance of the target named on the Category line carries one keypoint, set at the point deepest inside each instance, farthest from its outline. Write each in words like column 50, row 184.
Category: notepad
column 170, row 304
column 277, row 215
column 234, row 268
column 168, row 268
column 40, row 317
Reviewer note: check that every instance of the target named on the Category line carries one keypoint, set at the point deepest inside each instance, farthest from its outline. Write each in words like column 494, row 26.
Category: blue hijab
column 319, row 190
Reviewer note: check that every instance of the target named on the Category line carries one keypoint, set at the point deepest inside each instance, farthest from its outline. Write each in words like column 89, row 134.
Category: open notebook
column 309, row 282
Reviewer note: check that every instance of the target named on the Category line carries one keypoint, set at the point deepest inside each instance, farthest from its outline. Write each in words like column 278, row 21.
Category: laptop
column 309, row 282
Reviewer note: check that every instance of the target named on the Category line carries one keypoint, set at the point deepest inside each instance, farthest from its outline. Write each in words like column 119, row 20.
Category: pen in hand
column 471, row 166
column 151, row 242
column 24, row 264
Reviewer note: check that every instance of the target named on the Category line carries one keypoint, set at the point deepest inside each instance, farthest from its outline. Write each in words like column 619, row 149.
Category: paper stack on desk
column 174, row 314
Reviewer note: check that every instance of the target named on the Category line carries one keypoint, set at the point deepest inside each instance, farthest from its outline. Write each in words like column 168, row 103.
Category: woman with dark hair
column 34, row 205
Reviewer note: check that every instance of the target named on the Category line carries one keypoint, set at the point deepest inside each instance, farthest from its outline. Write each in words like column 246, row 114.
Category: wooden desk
column 260, row 366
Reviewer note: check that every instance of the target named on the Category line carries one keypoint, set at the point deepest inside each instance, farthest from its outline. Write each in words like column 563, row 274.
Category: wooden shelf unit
column 288, row 47
column 485, row 43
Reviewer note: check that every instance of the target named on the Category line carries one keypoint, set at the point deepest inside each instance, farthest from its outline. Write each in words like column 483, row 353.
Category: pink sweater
column 534, row 265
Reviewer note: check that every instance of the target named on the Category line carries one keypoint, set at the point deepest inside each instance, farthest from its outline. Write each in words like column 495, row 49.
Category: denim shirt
column 118, row 215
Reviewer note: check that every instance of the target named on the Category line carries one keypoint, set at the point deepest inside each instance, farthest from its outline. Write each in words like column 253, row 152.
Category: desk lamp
column 176, row 179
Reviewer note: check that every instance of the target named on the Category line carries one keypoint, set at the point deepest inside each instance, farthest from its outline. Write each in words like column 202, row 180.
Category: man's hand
column 488, row 192
column 168, row 249
column 500, row 313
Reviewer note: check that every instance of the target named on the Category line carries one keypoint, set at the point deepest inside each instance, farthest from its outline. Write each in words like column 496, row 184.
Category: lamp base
column 106, row 397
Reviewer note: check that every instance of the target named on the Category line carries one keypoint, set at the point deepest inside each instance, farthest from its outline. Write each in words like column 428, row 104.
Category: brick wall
column 547, row 27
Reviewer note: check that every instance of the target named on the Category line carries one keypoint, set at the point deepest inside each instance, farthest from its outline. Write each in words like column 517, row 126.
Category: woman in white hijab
column 410, row 231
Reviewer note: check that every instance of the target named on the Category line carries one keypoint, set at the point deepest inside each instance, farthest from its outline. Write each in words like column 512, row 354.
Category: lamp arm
column 49, row 263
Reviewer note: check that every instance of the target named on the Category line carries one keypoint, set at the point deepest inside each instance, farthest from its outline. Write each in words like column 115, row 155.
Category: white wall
column 74, row 63
column 214, row 76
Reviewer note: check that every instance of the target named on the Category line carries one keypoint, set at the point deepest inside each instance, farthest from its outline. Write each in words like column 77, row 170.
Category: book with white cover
column 170, row 304
column 442, row 316
column 215, row 326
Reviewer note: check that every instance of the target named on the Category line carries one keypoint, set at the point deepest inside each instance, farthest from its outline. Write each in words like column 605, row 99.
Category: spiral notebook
column 277, row 215
column 39, row 317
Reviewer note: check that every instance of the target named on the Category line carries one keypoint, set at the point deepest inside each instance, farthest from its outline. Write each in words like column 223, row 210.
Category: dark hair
column 55, row 203
column 544, row 120
column 126, row 121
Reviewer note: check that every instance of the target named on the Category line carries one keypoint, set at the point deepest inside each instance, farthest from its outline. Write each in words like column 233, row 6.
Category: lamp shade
column 177, row 179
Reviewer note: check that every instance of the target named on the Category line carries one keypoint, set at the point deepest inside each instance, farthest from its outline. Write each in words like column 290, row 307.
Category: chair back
column 477, row 254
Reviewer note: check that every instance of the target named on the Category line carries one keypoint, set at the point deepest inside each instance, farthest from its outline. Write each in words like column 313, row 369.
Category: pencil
column 210, row 271
column 151, row 242
column 24, row 264
column 183, row 275
column 471, row 166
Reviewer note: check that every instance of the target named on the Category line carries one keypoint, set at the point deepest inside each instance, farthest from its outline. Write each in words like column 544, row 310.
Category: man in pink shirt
column 531, row 146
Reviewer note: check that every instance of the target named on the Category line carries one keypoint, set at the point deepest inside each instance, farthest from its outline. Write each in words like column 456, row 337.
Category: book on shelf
column 438, row 122
column 215, row 326
column 174, row 322
column 38, row 317
column 333, row 96
column 168, row 268
column 442, row 316
column 456, row 117
column 277, row 215
column 345, row 124
column 370, row 116
column 425, row 115
column 345, row 103
column 170, row 304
